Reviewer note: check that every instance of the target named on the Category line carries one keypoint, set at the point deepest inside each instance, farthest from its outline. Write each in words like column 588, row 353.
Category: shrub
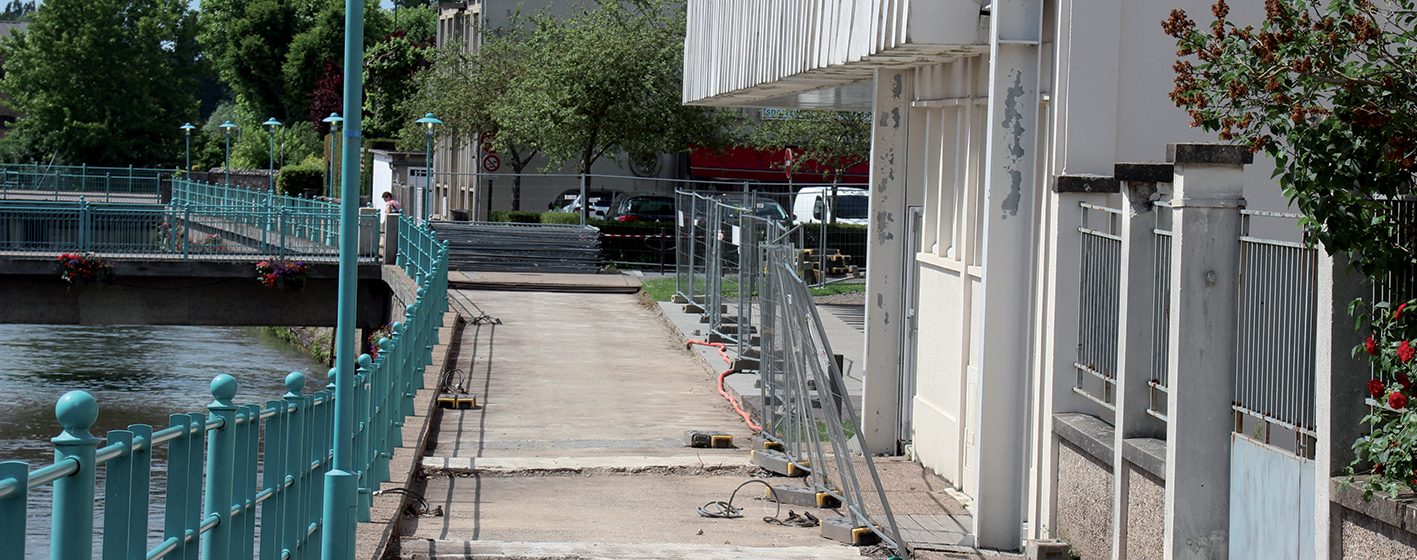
column 560, row 218
column 303, row 179
column 515, row 216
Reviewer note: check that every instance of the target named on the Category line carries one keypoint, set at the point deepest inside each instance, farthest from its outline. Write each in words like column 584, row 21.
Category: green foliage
column 1391, row 445
column 272, row 52
column 247, row 41
column 419, row 22
column 515, row 216
column 658, row 289
column 1326, row 88
column 827, row 141
column 103, row 82
column 389, row 69
column 560, row 218
column 17, row 10
column 306, row 178
column 582, row 104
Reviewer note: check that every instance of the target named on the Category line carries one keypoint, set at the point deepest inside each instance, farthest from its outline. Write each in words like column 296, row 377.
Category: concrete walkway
column 577, row 450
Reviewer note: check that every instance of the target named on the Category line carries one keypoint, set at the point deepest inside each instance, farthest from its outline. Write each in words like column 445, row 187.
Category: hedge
column 515, row 216
column 560, row 218
column 301, row 180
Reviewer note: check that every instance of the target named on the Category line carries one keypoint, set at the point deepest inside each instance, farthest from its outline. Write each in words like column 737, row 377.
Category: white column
column 1209, row 188
column 1134, row 327
column 1340, row 388
column 886, row 263
column 1057, row 375
column 1010, row 213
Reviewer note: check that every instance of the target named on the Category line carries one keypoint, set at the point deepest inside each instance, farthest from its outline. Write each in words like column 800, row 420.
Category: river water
column 138, row 375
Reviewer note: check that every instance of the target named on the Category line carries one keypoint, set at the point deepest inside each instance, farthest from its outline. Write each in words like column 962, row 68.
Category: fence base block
column 1049, row 549
column 802, row 496
column 676, row 298
column 844, row 529
column 760, row 442
column 693, row 308
column 778, row 463
column 705, row 439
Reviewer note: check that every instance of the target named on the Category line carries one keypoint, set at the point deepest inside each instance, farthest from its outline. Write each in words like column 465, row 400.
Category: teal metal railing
column 37, row 181
column 179, row 230
column 187, row 191
column 241, row 480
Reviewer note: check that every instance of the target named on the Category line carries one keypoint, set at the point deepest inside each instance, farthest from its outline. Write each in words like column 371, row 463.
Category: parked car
column 851, row 206
column 570, row 201
column 644, row 208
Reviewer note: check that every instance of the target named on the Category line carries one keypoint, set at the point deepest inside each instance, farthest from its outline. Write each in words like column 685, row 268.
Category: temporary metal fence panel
column 815, row 410
column 178, row 231
column 505, row 246
column 213, row 502
column 1277, row 330
column 1161, row 311
column 1099, row 303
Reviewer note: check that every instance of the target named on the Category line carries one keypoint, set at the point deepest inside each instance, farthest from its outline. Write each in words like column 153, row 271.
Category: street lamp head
column 334, row 119
column 429, row 120
column 187, row 128
column 227, row 127
column 272, row 123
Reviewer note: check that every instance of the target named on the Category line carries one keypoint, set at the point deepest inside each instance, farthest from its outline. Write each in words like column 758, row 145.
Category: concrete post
column 1010, row 214
column 1135, row 330
column 1063, row 308
column 391, row 238
column 1209, row 193
column 1340, row 390
column 886, row 265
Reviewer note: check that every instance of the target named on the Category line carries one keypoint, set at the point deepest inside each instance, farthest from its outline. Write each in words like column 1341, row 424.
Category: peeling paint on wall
column 896, row 86
column 883, row 223
column 1013, row 123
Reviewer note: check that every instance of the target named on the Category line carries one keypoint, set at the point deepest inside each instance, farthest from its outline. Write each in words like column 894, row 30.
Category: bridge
column 181, row 251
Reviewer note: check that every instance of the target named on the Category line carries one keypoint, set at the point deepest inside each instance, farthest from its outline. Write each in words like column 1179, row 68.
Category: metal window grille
column 1098, row 303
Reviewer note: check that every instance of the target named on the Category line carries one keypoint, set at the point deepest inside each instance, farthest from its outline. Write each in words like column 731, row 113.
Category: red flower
column 1378, row 468
column 1376, row 388
column 1371, row 346
column 1397, row 315
column 1405, row 351
column 1405, row 381
column 1397, row 400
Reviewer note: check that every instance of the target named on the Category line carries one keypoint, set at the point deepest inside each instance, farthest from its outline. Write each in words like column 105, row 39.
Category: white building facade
column 1005, row 146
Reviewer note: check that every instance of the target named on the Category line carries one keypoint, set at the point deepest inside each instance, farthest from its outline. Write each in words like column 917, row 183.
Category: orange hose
column 723, row 353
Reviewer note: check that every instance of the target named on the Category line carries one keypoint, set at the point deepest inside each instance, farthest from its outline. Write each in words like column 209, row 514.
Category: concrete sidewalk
column 578, row 445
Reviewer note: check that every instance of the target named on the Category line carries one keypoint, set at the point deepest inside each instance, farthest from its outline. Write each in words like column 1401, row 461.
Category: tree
column 248, row 42
column 103, row 81
column 389, row 70
column 321, row 41
column 606, row 82
column 828, row 141
column 17, row 10
column 1326, row 88
column 463, row 88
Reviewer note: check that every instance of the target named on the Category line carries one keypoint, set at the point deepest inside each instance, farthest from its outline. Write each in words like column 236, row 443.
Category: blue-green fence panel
column 241, row 480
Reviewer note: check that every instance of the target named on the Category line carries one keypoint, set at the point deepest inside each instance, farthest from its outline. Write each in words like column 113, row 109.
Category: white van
column 851, row 206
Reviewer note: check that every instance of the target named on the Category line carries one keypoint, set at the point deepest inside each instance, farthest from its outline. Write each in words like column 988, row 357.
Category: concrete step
column 448, row 549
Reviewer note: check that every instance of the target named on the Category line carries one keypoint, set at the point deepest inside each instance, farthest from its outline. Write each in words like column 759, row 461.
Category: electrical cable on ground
column 419, row 505
column 737, row 407
column 726, row 510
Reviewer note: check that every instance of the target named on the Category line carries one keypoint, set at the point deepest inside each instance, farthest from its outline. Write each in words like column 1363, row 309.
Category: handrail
column 285, row 443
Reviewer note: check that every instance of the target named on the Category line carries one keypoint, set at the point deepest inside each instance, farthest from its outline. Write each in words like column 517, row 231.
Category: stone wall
column 1379, row 528
column 1146, row 515
column 1085, row 492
